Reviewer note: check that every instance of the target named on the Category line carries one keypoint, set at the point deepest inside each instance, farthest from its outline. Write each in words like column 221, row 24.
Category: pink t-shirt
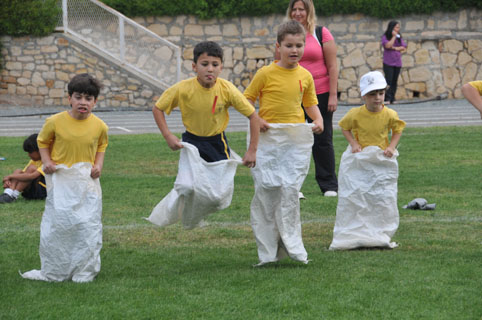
column 314, row 61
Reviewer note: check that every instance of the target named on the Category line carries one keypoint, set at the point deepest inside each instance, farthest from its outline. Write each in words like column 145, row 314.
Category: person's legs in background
column 388, row 70
column 393, row 87
column 391, row 76
column 323, row 151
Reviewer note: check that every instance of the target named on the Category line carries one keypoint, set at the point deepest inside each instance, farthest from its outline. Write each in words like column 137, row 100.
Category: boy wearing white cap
column 370, row 124
column 367, row 211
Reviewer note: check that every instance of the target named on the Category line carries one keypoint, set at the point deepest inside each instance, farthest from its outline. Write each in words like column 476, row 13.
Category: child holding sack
column 72, row 145
column 284, row 149
column 205, row 179
column 367, row 212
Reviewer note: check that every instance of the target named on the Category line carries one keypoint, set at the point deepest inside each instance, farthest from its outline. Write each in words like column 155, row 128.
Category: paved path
column 21, row 121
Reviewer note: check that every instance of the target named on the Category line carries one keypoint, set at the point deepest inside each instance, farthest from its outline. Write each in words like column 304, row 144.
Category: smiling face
column 374, row 100
column 291, row 50
column 299, row 13
column 208, row 69
column 82, row 105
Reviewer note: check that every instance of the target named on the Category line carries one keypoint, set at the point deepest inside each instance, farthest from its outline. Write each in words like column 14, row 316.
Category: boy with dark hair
column 284, row 147
column 30, row 182
column 72, row 145
column 204, row 101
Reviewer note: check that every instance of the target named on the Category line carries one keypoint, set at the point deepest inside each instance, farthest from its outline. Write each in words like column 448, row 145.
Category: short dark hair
column 211, row 48
column 84, row 83
column 289, row 27
column 30, row 144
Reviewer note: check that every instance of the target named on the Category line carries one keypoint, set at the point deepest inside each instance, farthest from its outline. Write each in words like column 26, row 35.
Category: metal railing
column 122, row 39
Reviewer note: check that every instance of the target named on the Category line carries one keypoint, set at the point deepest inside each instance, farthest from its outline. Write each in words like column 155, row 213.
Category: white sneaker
column 301, row 196
column 330, row 194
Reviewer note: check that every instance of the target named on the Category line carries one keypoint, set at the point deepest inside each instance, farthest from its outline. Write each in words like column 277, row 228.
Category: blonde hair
column 310, row 14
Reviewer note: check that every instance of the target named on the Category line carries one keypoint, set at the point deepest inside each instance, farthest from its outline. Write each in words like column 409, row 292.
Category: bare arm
column 389, row 44
column 355, row 146
column 390, row 150
column 98, row 165
column 329, row 52
column 263, row 124
column 314, row 113
column 249, row 158
column 472, row 96
column 24, row 176
column 172, row 141
column 48, row 164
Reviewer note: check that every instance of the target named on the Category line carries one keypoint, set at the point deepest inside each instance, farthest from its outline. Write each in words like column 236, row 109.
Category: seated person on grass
column 30, row 182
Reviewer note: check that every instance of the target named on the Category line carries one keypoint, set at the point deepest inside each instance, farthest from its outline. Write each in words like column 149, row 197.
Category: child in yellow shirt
column 72, row 145
column 367, row 212
column 472, row 91
column 30, row 182
column 204, row 101
column 284, row 149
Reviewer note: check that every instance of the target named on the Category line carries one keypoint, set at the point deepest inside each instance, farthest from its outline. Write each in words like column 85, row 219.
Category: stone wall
column 444, row 51
column 37, row 71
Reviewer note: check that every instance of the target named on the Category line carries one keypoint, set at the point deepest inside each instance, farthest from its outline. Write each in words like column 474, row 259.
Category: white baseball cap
column 370, row 81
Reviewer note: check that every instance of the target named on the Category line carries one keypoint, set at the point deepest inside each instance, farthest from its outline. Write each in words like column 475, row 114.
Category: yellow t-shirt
column 477, row 85
column 204, row 111
column 37, row 164
column 71, row 140
column 372, row 128
column 281, row 92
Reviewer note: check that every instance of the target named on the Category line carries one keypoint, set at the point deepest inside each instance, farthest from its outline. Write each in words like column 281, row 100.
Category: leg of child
column 14, row 187
column 10, row 186
column 276, row 224
column 22, row 185
column 263, row 222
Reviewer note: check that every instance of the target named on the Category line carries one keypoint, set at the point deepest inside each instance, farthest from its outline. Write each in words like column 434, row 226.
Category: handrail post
column 178, row 71
column 122, row 42
column 65, row 15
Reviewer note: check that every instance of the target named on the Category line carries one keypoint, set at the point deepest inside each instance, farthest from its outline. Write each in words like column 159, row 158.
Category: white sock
column 15, row 194
column 8, row 191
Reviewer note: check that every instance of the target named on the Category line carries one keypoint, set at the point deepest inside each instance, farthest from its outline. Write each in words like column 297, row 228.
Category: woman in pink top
column 319, row 59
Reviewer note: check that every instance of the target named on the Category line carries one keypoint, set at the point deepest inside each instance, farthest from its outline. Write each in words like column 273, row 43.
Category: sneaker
column 5, row 198
column 330, row 194
column 301, row 196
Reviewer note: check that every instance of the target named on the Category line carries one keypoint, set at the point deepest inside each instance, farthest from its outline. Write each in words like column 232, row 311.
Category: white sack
column 282, row 163
column 71, row 228
column 201, row 188
column 367, row 212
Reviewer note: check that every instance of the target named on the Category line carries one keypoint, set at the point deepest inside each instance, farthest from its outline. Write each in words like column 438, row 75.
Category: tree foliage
column 206, row 9
column 28, row 17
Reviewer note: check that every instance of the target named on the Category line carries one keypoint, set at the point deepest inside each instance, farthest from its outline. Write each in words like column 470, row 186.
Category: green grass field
column 206, row 273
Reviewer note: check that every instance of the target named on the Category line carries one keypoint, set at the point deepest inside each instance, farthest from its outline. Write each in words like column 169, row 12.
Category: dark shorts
column 36, row 190
column 211, row 149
